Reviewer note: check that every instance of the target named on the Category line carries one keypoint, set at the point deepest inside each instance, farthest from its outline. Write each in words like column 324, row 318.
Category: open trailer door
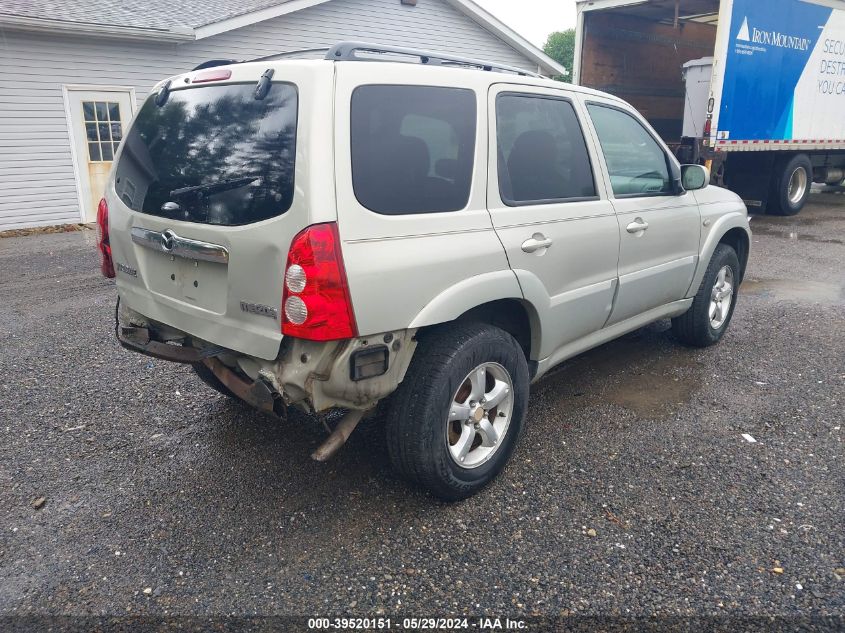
column 636, row 50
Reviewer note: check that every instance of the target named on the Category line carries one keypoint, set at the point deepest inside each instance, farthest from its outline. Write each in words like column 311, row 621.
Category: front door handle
column 637, row 226
column 537, row 242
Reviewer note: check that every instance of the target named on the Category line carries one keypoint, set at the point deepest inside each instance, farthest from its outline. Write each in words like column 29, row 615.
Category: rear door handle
column 637, row 226
column 537, row 242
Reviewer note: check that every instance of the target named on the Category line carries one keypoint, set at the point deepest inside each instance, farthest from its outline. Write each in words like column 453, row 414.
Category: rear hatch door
column 208, row 190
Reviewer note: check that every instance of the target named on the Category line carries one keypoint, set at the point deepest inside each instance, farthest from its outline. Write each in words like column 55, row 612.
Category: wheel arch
column 739, row 240
column 514, row 315
column 732, row 229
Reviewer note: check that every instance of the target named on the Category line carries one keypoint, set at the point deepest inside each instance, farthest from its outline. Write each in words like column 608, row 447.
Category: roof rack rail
column 348, row 51
column 301, row 51
column 211, row 63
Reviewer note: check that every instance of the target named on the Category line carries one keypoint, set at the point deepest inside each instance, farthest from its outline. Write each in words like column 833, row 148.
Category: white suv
column 432, row 236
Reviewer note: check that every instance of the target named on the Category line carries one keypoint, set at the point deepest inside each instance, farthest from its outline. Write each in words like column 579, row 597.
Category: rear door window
column 213, row 155
column 542, row 153
column 413, row 148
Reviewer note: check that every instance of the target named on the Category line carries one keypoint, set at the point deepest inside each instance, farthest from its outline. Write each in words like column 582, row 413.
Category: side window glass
column 413, row 148
column 636, row 163
column 440, row 139
column 542, row 154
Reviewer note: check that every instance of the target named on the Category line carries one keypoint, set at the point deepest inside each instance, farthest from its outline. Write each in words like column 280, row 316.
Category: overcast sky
column 533, row 19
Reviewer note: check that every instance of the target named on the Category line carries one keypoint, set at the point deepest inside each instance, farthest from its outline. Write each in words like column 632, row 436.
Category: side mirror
column 694, row 177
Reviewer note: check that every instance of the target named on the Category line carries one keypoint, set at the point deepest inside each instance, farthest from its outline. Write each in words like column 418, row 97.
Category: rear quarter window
column 213, row 155
column 413, row 148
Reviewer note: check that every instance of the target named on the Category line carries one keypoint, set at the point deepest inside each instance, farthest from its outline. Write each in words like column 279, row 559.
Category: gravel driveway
column 633, row 493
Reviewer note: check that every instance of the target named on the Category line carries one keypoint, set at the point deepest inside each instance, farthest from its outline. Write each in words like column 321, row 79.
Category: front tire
column 708, row 318
column 454, row 421
column 791, row 187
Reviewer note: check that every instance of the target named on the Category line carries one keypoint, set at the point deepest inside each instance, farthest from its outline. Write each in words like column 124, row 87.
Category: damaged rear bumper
column 139, row 339
column 254, row 392
column 314, row 376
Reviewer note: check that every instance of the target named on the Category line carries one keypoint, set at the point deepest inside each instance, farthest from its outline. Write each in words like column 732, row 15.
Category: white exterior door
column 97, row 119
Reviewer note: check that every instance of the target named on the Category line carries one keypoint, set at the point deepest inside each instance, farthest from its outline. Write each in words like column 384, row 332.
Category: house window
column 103, row 129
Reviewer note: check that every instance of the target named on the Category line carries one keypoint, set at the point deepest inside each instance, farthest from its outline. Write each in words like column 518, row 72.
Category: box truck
column 753, row 89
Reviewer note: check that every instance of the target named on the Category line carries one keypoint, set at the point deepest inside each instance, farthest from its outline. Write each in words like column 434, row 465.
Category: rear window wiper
column 215, row 187
column 161, row 97
column 263, row 86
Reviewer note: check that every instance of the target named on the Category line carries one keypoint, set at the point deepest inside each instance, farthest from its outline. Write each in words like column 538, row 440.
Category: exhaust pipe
column 337, row 439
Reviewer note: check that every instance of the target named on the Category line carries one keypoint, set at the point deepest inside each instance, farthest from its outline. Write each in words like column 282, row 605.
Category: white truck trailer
column 754, row 89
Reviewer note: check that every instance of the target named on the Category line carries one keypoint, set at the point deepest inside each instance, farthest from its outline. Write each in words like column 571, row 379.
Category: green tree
column 561, row 47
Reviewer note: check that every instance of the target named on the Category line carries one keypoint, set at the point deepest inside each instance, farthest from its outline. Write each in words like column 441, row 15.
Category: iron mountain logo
column 772, row 38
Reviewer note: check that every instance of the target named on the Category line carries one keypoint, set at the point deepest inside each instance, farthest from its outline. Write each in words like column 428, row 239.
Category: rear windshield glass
column 214, row 155
column 412, row 148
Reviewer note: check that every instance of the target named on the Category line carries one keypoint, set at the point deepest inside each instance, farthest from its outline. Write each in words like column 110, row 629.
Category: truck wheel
column 708, row 318
column 208, row 377
column 456, row 417
column 793, row 180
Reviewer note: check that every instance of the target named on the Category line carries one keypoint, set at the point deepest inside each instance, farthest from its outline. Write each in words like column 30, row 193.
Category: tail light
column 103, row 244
column 316, row 304
column 211, row 75
column 708, row 127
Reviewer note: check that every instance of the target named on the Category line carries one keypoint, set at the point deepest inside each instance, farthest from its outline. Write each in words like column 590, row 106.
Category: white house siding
column 37, row 181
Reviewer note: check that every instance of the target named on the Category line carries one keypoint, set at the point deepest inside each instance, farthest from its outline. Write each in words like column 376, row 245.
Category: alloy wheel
column 721, row 297
column 479, row 415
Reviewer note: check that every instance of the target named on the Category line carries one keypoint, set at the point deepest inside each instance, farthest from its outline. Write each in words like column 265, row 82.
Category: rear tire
column 708, row 318
column 208, row 377
column 791, row 187
column 455, row 419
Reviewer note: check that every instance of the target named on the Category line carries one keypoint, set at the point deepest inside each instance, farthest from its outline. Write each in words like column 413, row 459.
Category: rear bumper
column 252, row 339
column 254, row 392
column 138, row 339
column 314, row 376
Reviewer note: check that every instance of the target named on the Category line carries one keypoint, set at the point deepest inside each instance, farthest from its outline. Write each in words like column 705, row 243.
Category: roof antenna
column 263, row 86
